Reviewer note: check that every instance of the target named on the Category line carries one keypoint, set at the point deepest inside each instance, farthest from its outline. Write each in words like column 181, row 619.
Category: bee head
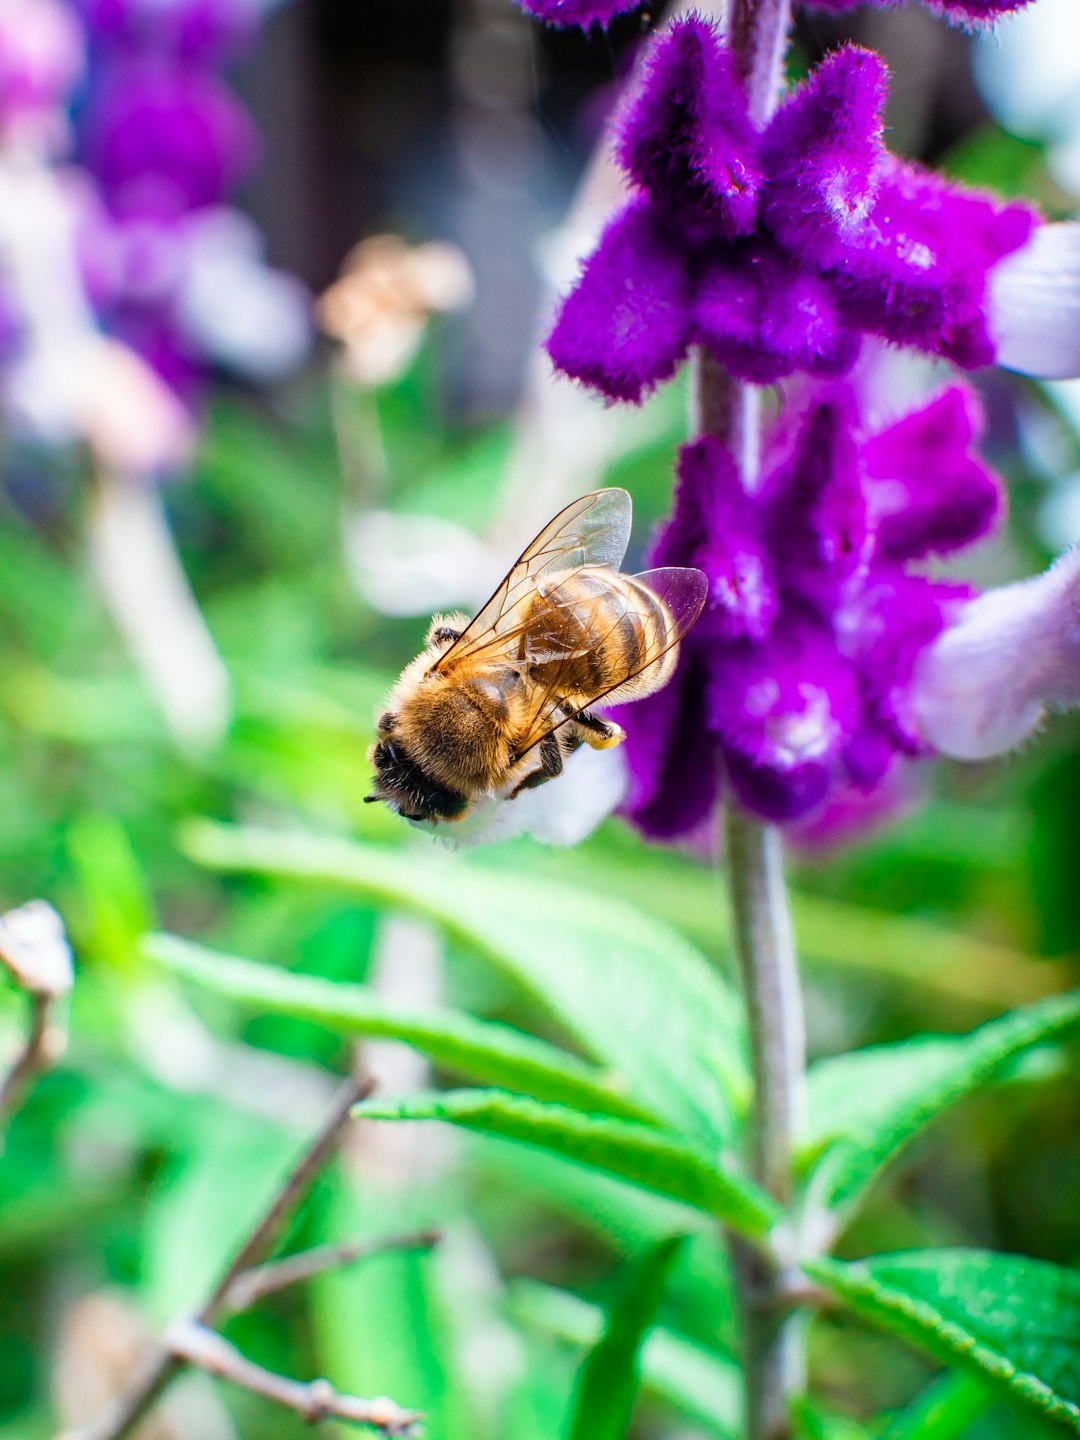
column 401, row 784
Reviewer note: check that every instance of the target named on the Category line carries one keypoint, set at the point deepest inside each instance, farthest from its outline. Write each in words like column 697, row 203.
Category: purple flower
column 163, row 138
column 797, row 679
column 776, row 250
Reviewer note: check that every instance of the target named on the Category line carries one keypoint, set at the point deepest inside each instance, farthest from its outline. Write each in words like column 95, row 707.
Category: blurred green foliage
column 189, row 1081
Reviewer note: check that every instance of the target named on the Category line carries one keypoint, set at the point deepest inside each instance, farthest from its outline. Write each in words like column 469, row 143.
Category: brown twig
column 190, row 1343
column 121, row 1417
column 34, row 950
column 252, row 1285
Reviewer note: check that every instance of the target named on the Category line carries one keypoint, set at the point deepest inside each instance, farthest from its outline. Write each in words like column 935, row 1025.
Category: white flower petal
column 1035, row 305
column 563, row 812
column 1013, row 654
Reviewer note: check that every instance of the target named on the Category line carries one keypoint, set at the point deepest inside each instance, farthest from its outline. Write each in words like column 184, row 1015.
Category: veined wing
column 592, row 532
column 682, row 594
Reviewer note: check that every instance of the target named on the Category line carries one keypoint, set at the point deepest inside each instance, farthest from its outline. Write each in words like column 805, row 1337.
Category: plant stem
column 766, row 956
column 121, row 1417
column 772, row 1331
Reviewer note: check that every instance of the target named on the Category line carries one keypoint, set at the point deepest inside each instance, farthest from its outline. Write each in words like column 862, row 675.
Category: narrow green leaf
column 866, row 1107
column 943, row 1411
column 814, row 1422
column 702, row 1384
column 1013, row 1323
column 628, row 989
column 653, row 1159
column 607, row 1382
column 476, row 1049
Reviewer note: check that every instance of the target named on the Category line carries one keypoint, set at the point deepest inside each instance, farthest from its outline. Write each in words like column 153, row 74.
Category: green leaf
column 1012, row 1322
column 704, row 1385
column 866, row 1107
column 943, row 1411
column 630, row 991
column 814, row 1422
column 607, row 1382
column 650, row 1158
column 480, row 1050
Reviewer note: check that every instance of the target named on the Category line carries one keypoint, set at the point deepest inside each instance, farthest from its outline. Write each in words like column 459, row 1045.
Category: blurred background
column 241, row 463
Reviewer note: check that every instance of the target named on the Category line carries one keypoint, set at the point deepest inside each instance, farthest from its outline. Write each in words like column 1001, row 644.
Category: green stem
column 772, row 1330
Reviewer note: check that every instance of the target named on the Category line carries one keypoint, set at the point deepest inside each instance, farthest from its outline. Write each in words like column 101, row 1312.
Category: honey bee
column 494, row 705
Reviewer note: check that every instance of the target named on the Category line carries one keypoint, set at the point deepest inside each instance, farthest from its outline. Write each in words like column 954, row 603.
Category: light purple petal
column 685, row 135
column 1012, row 654
column 623, row 328
column 1035, row 305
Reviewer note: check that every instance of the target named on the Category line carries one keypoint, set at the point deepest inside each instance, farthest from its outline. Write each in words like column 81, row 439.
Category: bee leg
column 551, row 764
column 600, row 734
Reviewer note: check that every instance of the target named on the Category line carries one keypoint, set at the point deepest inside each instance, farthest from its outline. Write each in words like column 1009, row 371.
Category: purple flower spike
column 687, row 140
column 960, row 12
column 797, row 681
column 583, row 13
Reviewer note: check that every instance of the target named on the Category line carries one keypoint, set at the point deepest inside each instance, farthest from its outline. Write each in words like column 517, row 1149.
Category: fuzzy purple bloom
column 776, row 251
column 797, row 680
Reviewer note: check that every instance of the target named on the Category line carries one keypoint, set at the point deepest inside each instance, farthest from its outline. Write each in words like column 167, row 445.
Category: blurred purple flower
column 796, row 681
column 776, row 251
column 163, row 138
column 169, row 268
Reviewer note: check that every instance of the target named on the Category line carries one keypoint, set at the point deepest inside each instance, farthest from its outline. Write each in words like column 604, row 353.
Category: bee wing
column 683, row 592
column 593, row 531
